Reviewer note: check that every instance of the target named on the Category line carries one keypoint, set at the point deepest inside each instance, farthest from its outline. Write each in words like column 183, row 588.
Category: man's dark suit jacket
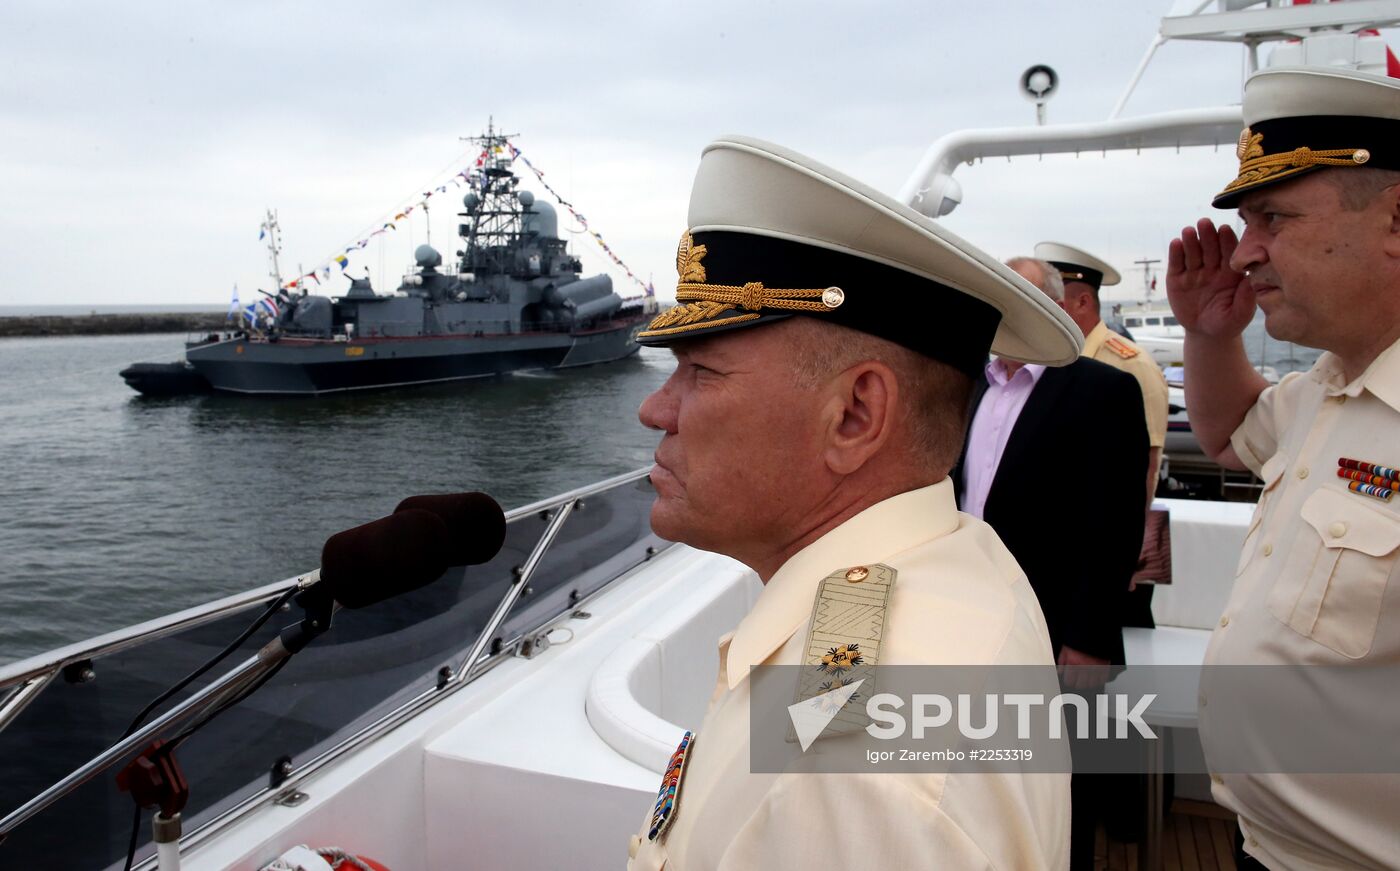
column 1067, row 498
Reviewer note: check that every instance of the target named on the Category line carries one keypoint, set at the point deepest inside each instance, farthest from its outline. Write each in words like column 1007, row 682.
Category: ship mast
column 274, row 247
column 1146, row 277
column 493, row 212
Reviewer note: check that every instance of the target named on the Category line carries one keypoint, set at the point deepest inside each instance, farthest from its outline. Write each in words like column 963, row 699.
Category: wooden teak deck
column 1196, row 836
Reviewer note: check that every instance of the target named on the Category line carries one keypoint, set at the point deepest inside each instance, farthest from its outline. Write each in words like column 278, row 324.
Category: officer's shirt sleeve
column 1256, row 439
column 1155, row 401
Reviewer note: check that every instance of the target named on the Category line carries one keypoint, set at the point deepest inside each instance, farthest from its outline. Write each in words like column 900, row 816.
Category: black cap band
column 921, row 314
column 1279, row 149
column 1075, row 272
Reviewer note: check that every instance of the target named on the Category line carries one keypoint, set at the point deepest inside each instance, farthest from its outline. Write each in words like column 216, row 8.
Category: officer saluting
column 826, row 338
column 1083, row 275
column 1318, row 191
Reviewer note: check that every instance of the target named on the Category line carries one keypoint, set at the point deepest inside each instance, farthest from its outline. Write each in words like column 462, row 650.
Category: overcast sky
column 141, row 142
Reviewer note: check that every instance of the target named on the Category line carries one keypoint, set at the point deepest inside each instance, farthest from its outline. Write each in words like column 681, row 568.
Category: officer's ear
column 1391, row 197
column 862, row 402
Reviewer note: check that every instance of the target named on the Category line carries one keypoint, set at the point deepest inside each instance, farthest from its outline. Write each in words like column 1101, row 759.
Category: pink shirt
column 991, row 427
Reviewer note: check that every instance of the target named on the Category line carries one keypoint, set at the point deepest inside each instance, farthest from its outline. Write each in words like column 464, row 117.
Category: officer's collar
column 874, row 535
column 1095, row 339
column 1382, row 377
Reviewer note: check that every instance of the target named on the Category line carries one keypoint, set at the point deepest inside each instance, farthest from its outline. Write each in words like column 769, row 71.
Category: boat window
column 1171, row 321
column 1132, row 322
column 370, row 662
column 1154, row 322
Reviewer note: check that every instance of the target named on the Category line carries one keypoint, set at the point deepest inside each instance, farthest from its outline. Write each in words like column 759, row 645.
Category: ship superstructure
column 514, row 299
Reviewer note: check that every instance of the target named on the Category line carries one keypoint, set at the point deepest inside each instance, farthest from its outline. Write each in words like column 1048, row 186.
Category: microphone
column 475, row 522
column 381, row 559
column 410, row 548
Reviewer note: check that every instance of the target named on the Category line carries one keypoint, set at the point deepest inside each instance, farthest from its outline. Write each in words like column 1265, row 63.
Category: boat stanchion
column 517, row 588
column 154, row 779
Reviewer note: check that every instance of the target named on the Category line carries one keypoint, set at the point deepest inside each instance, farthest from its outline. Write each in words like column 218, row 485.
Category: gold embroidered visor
column 730, row 280
column 1284, row 148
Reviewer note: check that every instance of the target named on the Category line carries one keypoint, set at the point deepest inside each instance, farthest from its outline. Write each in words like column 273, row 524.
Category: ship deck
column 1196, row 836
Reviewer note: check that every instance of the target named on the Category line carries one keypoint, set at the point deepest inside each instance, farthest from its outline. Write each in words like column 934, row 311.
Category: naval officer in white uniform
column 825, row 341
column 1318, row 583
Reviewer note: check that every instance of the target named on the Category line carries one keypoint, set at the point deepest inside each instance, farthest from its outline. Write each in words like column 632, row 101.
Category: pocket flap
column 1272, row 469
column 1342, row 519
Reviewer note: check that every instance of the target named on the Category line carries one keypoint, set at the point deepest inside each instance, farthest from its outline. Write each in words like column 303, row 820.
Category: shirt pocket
column 1330, row 588
column 1271, row 473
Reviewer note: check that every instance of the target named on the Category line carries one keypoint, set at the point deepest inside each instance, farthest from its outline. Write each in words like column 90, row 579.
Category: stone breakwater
column 112, row 324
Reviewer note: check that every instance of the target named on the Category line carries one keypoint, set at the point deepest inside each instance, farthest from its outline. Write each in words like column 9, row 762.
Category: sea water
column 117, row 508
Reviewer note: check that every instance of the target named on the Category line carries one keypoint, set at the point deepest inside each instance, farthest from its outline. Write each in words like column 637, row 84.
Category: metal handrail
column 46, row 664
column 34, row 676
column 121, row 639
column 21, row 697
column 473, row 666
column 517, row 586
column 208, row 698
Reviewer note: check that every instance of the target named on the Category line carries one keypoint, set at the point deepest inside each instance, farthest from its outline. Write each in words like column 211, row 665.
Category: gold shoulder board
column 1121, row 348
column 842, row 650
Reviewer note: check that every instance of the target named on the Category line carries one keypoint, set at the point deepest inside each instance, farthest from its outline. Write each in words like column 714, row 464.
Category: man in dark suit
column 1054, row 461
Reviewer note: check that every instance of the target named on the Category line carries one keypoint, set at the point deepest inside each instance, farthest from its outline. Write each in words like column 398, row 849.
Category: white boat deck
column 472, row 781
column 552, row 762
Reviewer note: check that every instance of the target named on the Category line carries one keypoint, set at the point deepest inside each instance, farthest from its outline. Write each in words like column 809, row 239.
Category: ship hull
column 293, row 366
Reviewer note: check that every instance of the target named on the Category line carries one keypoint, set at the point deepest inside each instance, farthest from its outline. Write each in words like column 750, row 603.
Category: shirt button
column 633, row 846
column 1340, row 397
column 1224, row 621
column 1201, row 701
column 1215, row 778
column 1268, row 548
column 1337, row 529
column 1302, row 472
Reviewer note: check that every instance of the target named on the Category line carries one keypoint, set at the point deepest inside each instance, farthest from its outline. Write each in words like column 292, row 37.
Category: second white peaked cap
column 1072, row 260
column 1303, row 119
column 755, row 195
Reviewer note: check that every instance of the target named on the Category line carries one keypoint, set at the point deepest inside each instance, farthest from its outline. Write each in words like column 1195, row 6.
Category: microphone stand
column 319, row 609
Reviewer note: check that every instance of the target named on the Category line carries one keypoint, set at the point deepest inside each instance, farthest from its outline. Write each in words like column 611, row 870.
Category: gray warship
column 516, row 300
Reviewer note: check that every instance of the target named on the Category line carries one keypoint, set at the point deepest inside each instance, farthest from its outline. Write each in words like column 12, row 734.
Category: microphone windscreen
column 386, row 557
column 476, row 524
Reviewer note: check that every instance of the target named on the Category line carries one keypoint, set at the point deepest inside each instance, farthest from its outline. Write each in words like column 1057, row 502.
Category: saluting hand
column 1206, row 295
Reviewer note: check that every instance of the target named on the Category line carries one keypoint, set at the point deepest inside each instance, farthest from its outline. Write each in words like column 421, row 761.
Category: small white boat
column 1151, row 320
column 1153, row 328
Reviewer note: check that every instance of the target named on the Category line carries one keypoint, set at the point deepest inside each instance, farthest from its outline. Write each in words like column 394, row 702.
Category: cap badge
column 1257, row 168
column 857, row 574
column 1251, row 145
column 701, row 304
column 688, row 257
